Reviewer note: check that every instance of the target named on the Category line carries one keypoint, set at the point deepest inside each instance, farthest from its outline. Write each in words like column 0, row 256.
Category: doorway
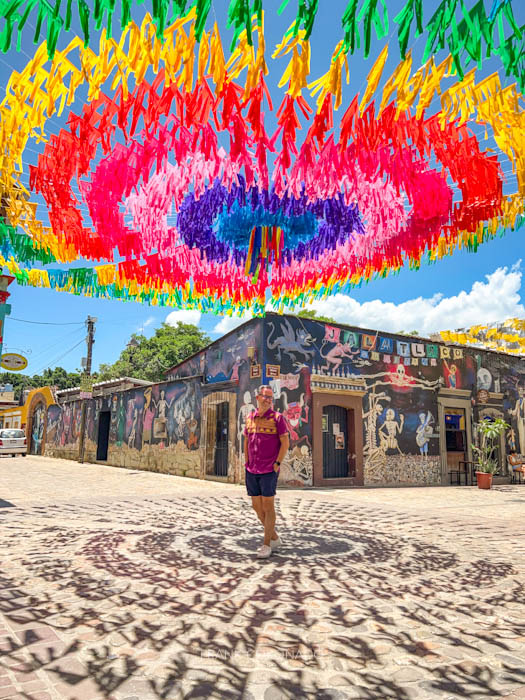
column 222, row 420
column 219, row 428
column 455, row 421
column 337, row 438
column 338, row 456
column 104, row 420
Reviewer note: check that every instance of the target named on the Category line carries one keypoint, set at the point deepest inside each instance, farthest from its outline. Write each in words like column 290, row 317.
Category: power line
column 47, row 323
column 57, row 359
column 52, row 349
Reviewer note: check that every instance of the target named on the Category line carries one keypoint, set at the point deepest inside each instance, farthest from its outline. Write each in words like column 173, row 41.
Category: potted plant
column 489, row 432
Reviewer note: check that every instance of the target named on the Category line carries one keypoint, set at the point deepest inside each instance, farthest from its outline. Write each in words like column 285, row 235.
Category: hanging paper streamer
column 464, row 32
column 508, row 336
column 143, row 167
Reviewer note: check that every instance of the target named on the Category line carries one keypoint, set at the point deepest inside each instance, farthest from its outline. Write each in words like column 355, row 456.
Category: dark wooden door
column 221, row 439
column 335, row 442
column 104, row 420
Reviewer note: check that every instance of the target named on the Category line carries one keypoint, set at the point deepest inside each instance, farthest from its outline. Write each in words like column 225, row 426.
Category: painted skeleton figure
column 389, row 430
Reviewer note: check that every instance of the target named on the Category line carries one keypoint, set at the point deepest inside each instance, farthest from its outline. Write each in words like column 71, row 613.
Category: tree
column 150, row 358
column 310, row 313
column 50, row 377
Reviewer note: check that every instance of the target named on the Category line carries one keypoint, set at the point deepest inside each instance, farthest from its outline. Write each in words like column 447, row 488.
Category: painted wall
column 155, row 427
column 170, row 427
column 506, row 376
column 401, row 376
column 230, row 366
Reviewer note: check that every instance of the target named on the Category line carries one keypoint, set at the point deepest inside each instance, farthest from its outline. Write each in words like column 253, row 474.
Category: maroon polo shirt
column 263, row 435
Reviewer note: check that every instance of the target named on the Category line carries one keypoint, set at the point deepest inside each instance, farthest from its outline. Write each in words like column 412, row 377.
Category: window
column 12, row 433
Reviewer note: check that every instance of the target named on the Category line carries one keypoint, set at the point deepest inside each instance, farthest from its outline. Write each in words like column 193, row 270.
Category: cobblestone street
column 132, row 585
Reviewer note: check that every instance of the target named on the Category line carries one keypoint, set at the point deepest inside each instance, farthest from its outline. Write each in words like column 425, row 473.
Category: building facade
column 364, row 408
column 31, row 417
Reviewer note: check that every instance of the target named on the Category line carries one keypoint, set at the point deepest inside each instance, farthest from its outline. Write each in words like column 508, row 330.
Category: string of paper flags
column 273, row 218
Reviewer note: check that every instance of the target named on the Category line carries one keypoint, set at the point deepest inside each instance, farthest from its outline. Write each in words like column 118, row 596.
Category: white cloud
column 228, row 323
column 494, row 300
column 184, row 316
column 145, row 324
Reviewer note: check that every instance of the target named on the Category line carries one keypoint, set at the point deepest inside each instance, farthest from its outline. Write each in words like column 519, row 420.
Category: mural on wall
column 155, row 426
column 62, row 425
column 193, row 367
column 292, row 342
column 401, row 439
column 293, row 398
column 288, row 352
column 159, row 426
column 37, row 428
column 234, row 355
column 402, row 377
column 425, row 431
column 513, row 388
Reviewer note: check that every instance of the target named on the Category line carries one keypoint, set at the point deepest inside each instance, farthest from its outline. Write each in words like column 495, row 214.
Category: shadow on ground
column 166, row 600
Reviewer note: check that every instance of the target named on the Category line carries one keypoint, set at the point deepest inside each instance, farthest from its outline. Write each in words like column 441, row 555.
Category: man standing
column 266, row 442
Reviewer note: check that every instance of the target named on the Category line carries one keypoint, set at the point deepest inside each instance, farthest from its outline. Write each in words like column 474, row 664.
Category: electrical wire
column 53, row 347
column 57, row 359
column 47, row 323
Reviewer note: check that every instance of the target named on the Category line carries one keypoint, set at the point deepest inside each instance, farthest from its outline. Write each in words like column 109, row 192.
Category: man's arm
column 246, row 459
column 285, row 444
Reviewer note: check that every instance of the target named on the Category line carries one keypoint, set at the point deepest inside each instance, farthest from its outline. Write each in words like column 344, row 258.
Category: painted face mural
column 484, row 379
column 37, row 429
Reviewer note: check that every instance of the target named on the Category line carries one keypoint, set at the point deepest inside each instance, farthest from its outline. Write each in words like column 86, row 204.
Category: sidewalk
column 133, row 586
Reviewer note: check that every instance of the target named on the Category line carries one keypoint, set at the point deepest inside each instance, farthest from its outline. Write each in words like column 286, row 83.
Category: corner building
column 363, row 407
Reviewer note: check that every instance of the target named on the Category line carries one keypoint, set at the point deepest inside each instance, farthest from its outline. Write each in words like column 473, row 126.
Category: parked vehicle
column 13, row 442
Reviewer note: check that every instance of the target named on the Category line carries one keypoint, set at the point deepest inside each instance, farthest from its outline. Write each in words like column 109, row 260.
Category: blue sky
column 458, row 291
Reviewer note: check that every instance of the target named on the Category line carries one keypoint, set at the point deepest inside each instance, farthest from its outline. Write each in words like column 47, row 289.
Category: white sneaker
column 264, row 552
column 275, row 544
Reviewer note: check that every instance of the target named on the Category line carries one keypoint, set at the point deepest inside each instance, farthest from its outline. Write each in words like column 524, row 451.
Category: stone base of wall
column 62, row 452
column 173, row 459
column 296, row 470
column 402, row 470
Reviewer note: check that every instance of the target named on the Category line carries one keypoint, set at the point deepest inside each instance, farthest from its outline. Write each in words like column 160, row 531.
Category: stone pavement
column 131, row 585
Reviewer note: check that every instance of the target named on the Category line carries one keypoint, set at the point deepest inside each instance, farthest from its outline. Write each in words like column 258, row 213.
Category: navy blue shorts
column 261, row 484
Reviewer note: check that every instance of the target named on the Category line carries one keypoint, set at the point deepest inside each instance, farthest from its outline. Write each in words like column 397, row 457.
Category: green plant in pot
column 489, row 432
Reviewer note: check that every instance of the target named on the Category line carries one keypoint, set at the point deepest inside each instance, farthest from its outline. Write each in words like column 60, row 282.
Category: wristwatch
column 277, row 463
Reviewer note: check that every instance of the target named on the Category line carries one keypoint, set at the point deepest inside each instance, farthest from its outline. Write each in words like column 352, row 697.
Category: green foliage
column 489, row 432
column 150, row 358
column 313, row 315
column 50, row 377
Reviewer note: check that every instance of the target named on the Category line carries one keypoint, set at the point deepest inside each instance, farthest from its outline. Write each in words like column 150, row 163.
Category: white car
column 13, row 442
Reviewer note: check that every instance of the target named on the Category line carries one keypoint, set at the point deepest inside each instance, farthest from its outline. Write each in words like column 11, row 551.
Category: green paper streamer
column 351, row 35
column 240, row 17
column 305, row 16
column 467, row 39
column 413, row 8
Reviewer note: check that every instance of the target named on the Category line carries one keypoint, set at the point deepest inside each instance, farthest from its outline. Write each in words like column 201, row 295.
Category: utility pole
column 85, row 386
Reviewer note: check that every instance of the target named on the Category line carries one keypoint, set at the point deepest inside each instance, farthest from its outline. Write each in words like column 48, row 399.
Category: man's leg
column 257, row 505
column 269, row 519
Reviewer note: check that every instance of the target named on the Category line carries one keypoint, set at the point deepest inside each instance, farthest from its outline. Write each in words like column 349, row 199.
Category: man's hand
column 276, row 467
